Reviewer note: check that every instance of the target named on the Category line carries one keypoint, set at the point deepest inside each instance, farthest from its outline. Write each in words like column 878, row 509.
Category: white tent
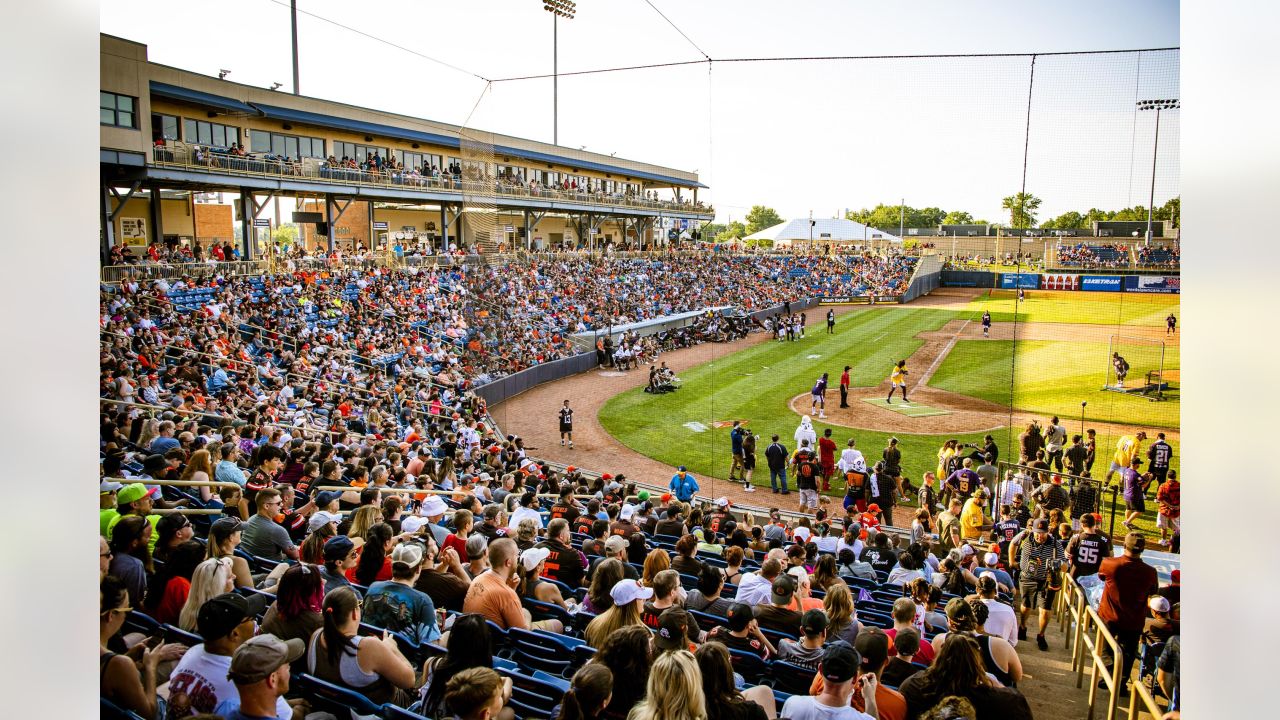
column 825, row 230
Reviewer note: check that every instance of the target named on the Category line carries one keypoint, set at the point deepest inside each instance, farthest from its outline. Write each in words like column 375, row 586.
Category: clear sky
column 798, row 136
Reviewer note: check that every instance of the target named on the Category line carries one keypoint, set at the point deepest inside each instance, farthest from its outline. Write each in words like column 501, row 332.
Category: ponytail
column 338, row 604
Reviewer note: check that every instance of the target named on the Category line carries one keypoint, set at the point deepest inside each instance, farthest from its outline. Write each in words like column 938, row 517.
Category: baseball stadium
column 421, row 408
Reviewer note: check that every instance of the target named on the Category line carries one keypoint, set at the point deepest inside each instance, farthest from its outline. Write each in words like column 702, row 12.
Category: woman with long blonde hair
column 628, row 604
column 363, row 519
column 212, row 578
column 674, row 691
column 200, row 469
column 842, row 618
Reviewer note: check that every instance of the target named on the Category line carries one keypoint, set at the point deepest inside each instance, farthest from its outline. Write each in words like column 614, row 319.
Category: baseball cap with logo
column 813, row 622
column 262, row 655
column 628, row 591
column 740, row 616
column 1040, row 525
column 784, row 587
column 221, row 615
column 673, row 627
column 840, row 662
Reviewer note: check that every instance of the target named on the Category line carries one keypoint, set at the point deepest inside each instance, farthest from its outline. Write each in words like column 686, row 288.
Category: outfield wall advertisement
column 1102, row 283
column 1057, row 281
column 1152, row 284
column 1027, row 281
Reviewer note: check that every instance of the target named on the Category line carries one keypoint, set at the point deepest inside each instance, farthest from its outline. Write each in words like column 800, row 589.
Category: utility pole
column 293, row 16
column 902, row 217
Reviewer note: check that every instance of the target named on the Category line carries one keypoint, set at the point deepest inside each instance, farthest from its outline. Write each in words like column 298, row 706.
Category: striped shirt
column 1035, row 558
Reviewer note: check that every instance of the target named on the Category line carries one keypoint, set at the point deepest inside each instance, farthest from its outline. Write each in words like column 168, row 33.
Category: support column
column 528, row 232
column 246, row 224
column 157, row 216
column 444, row 228
column 108, row 223
column 328, row 220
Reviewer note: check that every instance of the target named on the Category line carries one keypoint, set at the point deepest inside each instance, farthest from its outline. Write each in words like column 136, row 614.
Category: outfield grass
column 1102, row 308
column 1054, row 377
column 756, row 384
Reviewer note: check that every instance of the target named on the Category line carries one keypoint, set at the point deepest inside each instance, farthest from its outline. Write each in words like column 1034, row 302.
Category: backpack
column 855, row 483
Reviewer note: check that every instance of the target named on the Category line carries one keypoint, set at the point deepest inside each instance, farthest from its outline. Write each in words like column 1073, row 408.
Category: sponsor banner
column 1057, row 281
column 1102, row 283
column 888, row 298
column 1152, row 284
column 845, row 300
column 1012, row 281
column 380, row 225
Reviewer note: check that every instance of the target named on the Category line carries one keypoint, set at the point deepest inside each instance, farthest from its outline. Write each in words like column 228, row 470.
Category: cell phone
column 155, row 641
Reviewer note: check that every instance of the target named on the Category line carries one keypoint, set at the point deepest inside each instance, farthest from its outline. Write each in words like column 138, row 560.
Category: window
column 200, row 132
column 287, row 145
column 417, row 161
column 117, row 110
column 359, row 153
column 164, row 127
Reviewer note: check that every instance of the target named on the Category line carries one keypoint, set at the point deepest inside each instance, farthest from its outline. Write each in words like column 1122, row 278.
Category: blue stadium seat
column 108, row 710
column 791, row 678
column 749, row 665
column 391, row 712
column 707, row 621
column 175, row 634
column 338, row 700
column 531, row 697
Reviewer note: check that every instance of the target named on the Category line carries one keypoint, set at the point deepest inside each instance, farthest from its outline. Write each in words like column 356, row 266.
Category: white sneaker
column 748, row 488
column 813, row 411
column 822, row 415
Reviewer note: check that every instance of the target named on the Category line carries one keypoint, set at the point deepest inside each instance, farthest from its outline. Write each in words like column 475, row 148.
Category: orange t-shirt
column 890, row 703
column 494, row 599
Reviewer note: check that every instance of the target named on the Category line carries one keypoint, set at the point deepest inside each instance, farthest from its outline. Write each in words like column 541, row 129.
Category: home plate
column 908, row 409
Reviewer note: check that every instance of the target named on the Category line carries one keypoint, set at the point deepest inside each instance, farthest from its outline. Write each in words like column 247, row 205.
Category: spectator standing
column 1128, row 583
column 1169, row 503
column 1039, row 556
column 776, row 456
column 683, row 485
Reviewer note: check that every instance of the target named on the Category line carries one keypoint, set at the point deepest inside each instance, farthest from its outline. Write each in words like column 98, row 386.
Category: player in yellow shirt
column 898, row 379
column 1127, row 448
column 973, row 522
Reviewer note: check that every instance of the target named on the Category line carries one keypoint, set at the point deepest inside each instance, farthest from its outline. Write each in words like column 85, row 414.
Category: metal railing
column 173, row 271
column 1090, row 635
column 181, row 156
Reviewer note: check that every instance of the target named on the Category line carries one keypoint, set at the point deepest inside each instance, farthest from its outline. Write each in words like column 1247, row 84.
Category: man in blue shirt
column 683, row 485
column 165, row 441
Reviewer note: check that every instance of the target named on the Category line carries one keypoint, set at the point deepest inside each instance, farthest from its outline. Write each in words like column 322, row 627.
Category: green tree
column 285, row 235
column 761, row 217
column 1066, row 221
column 957, row 217
column 1171, row 211
column 1022, row 209
column 731, row 232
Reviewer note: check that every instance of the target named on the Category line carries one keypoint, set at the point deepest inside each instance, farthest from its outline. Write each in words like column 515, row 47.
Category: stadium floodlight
column 566, row 9
column 1158, row 106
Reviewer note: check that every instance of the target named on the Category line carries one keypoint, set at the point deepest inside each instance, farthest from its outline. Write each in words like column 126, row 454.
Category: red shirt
column 458, row 544
column 844, row 378
column 383, row 574
column 1129, row 582
column 924, row 655
column 827, row 451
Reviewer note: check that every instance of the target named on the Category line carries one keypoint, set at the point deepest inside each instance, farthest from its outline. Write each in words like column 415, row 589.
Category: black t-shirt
column 893, row 461
column 739, row 710
column 673, row 528
column 784, row 620
column 566, row 417
column 882, row 559
column 747, row 644
column 445, row 589
column 563, row 564
column 1159, row 454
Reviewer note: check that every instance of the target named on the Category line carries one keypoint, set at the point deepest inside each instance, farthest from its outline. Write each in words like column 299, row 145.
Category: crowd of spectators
column 1094, row 255
column 1159, row 257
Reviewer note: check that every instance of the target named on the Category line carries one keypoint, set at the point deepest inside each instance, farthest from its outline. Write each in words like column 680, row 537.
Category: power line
column 686, row 37
column 833, row 58
column 384, row 41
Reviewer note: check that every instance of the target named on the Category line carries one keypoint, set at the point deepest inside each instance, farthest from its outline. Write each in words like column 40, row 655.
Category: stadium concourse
column 305, row 507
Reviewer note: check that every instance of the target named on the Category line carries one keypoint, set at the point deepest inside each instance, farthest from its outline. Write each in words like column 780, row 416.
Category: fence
column 173, row 271
column 179, row 155
column 1088, row 636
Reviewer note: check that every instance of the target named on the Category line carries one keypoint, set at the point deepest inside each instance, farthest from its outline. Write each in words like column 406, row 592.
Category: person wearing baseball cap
column 672, row 632
column 260, row 671
column 107, row 501
column 1040, row 556
column 614, row 547
column 838, row 674
column 683, row 485
column 778, row 614
column 808, row 650
column 743, row 632
column 396, row 604
column 136, row 499
column 1129, row 582
column 628, row 604
column 339, row 556
column 199, row 683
